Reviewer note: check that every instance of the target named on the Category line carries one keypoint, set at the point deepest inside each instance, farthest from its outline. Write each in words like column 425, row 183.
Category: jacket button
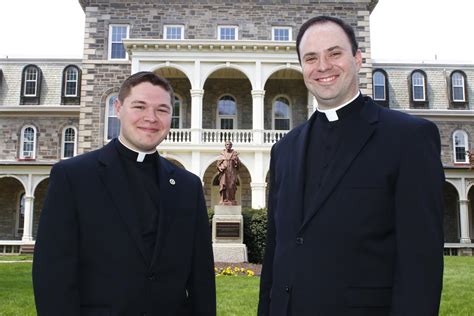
column 299, row 240
column 152, row 277
column 287, row 289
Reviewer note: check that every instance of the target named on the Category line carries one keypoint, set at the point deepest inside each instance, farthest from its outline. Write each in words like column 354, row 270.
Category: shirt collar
column 331, row 114
column 140, row 155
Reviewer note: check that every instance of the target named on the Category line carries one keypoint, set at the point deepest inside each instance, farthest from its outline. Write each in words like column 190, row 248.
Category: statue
column 228, row 164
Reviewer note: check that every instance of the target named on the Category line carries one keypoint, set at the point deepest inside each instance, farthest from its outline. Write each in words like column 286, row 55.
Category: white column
column 196, row 115
column 312, row 103
column 28, row 220
column 196, row 163
column 258, row 194
column 464, row 219
column 257, row 115
column 258, row 184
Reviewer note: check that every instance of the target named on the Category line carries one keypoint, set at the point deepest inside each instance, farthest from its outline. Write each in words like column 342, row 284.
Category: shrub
column 255, row 232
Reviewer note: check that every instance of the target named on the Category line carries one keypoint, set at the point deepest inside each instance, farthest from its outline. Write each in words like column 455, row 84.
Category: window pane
column 113, row 123
column 71, row 82
column 113, row 127
column 21, row 213
column 174, row 32
column 460, row 154
column 227, row 106
column 117, row 48
column 176, row 112
column 30, row 88
column 68, row 150
column 227, row 33
column 379, row 93
column 281, row 34
column 418, row 93
column 458, row 87
column 31, row 79
column 282, row 108
column 282, row 124
column 458, row 94
column 175, row 122
column 227, row 123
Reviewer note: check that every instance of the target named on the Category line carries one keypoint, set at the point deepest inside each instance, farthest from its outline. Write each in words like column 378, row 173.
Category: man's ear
column 358, row 57
column 118, row 107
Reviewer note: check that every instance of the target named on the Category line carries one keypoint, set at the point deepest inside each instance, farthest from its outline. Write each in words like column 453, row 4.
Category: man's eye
column 139, row 107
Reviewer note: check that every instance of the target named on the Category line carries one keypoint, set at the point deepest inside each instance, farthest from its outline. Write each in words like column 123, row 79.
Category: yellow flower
column 250, row 273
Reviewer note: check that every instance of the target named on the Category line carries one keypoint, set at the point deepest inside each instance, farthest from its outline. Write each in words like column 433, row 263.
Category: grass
column 238, row 295
column 16, row 258
column 458, row 287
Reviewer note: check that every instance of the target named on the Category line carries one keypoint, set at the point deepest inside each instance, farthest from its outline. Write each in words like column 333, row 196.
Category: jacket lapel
column 297, row 162
column 355, row 135
column 112, row 174
column 167, row 189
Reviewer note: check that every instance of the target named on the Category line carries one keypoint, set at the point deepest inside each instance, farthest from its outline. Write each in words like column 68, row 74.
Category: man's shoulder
column 397, row 117
column 81, row 161
column 178, row 171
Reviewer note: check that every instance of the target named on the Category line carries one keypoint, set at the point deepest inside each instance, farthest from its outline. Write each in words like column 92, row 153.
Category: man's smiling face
column 330, row 70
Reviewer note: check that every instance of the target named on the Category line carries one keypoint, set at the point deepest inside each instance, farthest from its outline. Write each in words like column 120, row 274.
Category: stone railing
column 219, row 136
column 272, row 136
column 178, row 136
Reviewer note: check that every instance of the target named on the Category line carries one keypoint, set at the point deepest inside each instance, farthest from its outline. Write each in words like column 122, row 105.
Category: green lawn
column 237, row 295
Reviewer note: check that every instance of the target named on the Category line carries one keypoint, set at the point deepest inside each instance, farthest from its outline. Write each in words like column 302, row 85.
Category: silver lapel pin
column 172, row 182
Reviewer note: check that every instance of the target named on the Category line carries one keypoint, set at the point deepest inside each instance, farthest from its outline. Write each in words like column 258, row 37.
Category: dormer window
column 31, row 85
column 71, row 93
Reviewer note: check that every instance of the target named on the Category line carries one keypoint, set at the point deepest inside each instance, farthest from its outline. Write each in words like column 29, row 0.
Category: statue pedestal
column 228, row 234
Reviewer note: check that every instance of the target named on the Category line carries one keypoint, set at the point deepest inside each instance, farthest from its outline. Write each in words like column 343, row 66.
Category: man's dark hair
column 326, row 19
column 144, row 76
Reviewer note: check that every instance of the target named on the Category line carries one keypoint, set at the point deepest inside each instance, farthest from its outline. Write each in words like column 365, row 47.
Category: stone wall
column 48, row 135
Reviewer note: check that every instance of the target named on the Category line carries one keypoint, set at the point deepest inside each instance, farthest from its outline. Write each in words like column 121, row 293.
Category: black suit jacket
column 372, row 241
column 89, row 254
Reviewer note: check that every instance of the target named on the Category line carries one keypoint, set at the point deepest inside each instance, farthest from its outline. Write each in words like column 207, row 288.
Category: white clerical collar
column 331, row 114
column 140, row 154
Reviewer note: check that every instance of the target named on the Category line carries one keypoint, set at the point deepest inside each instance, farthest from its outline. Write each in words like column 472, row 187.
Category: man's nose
column 150, row 115
column 324, row 64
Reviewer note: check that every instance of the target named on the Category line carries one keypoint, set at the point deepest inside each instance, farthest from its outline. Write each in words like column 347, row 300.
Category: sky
column 401, row 30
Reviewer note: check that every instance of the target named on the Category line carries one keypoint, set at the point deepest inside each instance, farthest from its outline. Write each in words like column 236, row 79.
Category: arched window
column 460, row 146
column 175, row 117
column 30, row 85
column 20, row 217
column 418, row 87
column 458, row 87
column 380, row 86
column 28, row 142
column 71, row 85
column 226, row 112
column 112, row 122
column 69, row 148
column 281, row 114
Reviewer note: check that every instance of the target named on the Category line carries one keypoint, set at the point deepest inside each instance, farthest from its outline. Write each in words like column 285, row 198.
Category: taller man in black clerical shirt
column 123, row 231
column 355, row 201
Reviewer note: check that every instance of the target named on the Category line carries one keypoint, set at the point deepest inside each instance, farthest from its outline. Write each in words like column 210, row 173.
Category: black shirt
column 143, row 184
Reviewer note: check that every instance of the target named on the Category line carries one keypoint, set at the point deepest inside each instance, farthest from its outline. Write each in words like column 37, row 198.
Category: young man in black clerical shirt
column 123, row 231
column 355, row 204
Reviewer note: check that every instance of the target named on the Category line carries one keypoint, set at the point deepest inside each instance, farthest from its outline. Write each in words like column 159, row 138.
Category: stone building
column 236, row 75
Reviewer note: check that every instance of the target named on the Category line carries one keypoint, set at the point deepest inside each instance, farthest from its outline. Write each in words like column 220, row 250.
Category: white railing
column 178, row 136
column 272, row 136
column 219, row 136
